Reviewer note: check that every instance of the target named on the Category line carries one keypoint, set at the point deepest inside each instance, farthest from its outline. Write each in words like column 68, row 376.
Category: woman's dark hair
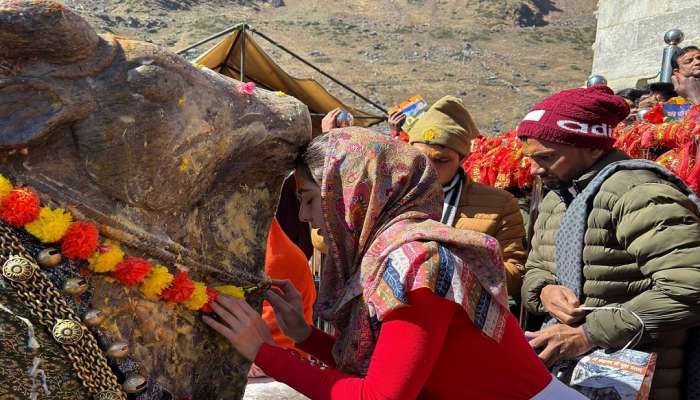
column 681, row 53
column 312, row 159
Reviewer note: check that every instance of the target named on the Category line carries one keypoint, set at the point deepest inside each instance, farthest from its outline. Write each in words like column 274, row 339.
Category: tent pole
column 228, row 54
column 291, row 53
column 242, row 34
column 212, row 37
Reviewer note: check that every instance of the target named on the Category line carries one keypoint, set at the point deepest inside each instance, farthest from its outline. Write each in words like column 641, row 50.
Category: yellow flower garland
column 230, row 290
column 199, row 297
column 51, row 224
column 106, row 262
column 55, row 225
column 156, row 282
column 5, row 187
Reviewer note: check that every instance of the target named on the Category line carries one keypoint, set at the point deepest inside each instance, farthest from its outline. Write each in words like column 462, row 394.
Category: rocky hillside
column 500, row 56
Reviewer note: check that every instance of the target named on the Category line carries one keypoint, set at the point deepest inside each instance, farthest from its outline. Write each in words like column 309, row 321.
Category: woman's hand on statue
column 289, row 310
column 240, row 324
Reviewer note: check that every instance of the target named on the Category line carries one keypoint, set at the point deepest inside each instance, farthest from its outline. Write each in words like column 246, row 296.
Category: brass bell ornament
column 118, row 350
column 75, row 286
column 94, row 317
column 49, row 257
column 134, row 384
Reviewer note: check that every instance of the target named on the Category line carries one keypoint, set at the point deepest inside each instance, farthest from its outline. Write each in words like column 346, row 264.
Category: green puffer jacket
column 641, row 253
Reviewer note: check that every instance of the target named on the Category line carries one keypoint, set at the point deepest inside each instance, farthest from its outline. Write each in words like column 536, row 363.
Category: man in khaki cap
column 444, row 134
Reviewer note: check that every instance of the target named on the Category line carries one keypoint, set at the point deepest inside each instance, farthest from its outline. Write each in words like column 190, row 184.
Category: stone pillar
column 629, row 39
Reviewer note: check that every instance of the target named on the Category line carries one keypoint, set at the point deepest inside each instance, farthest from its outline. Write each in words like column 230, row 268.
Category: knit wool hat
column 446, row 123
column 581, row 117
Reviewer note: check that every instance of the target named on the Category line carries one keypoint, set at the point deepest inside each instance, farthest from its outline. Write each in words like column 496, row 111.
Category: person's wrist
column 256, row 349
column 587, row 343
column 303, row 334
column 590, row 338
column 583, row 334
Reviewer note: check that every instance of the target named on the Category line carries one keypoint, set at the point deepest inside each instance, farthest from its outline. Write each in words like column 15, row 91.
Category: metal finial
column 674, row 37
column 596, row 80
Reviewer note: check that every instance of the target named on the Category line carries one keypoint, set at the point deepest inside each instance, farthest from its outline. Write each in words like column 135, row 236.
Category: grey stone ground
column 269, row 389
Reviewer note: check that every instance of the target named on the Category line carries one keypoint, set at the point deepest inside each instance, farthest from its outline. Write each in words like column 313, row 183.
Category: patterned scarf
column 569, row 241
column 381, row 201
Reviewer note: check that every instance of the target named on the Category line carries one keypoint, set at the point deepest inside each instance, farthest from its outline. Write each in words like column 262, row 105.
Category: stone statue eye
column 156, row 83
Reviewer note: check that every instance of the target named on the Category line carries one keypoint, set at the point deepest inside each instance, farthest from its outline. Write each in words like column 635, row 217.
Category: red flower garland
column 212, row 294
column 80, row 241
column 499, row 161
column 179, row 290
column 131, row 271
column 655, row 115
column 20, row 207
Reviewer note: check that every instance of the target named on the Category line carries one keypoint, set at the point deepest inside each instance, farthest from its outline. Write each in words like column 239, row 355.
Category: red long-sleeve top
column 429, row 349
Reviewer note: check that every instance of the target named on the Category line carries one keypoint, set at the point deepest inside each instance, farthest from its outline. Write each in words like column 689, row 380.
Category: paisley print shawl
column 381, row 202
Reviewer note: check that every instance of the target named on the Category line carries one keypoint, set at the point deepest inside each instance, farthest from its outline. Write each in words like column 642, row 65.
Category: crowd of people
column 425, row 267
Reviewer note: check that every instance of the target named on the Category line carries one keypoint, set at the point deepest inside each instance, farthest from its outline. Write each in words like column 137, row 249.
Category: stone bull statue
column 174, row 162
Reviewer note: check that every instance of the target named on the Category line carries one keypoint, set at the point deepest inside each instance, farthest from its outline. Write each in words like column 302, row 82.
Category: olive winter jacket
column 641, row 253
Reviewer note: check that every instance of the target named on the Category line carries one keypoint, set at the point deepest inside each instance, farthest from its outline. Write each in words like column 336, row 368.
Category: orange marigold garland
column 51, row 225
column 80, row 241
column 499, row 161
column 656, row 114
column 199, row 297
column 5, row 187
column 179, row 290
column 20, row 207
column 159, row 279
column 212, row 294
column 673, row 144
column 131, row 271
column 106, row 258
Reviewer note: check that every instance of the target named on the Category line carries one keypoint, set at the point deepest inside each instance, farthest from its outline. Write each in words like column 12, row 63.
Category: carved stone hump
column 170, row 159
column 44, row 31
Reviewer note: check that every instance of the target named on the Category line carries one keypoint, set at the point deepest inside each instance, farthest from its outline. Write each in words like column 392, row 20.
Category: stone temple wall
column 629, row 38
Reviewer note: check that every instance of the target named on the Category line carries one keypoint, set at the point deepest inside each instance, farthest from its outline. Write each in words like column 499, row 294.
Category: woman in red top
column 420, row 307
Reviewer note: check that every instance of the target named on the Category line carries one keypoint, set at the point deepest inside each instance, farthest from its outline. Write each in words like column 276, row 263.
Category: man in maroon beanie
column 612, row 232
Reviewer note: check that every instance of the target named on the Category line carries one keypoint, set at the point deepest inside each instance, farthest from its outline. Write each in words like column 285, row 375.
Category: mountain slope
column 500, row 56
